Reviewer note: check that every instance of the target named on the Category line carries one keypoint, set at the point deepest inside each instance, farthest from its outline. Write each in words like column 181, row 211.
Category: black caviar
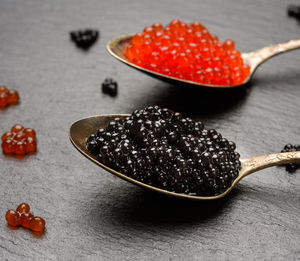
column 294, row 11
column 161, row 148
column 291, row 167
column 84, row 39
column 110, row 87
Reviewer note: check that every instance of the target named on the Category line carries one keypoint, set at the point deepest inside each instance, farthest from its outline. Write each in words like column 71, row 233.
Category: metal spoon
column 117, row 46
column 81, row 129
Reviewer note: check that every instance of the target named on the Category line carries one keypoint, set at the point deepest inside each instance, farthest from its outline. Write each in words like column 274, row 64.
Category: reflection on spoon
column 80, row 130
column 117, row 47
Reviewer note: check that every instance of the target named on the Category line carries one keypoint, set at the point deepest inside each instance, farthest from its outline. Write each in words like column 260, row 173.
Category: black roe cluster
column 110, row 87
column 294, row 11
column 291, row 167
column 84, row 39
column 161, row 148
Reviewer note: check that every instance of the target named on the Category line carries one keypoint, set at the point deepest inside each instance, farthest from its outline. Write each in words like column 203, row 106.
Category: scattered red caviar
column 187, row 51
column 8, row 97
column 19, row 140
column 23, row 217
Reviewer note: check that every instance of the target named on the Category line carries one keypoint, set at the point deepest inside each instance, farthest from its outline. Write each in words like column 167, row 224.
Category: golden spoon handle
column 254, row 59
column 261, row 162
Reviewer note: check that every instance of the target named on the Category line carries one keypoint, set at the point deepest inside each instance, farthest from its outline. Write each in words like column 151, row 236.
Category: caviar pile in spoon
column 161, row 148
column 189, row 52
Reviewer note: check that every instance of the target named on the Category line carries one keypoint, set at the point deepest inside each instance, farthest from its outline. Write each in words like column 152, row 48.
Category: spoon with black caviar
column 254, row 59
column 81, row 130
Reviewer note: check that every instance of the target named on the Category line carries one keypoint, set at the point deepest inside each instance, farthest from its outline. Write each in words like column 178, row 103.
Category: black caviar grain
column 110, row 87
column 294, row 11
column 161, row 148
column 84, row 39
column 291, row 167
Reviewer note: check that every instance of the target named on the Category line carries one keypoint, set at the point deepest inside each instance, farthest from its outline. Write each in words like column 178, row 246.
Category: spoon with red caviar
column 188, row 54
column 81, row 130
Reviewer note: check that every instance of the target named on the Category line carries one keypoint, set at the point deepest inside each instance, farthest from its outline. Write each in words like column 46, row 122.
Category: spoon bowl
column 117, row 47
column 81, row 129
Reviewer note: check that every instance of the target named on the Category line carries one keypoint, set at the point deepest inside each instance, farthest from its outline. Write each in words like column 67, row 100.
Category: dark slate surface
column 92, row 215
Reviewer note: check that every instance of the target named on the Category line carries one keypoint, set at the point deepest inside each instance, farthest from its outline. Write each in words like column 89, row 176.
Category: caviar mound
column 22, row 217
column 163, row 149
column 189, row 52
column 19, row 140
column 291, row 167
column 84, row 39
column 8, row 97
column 110, row 86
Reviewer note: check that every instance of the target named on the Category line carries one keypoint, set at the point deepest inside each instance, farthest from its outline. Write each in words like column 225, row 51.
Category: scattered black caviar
column 291, row 167
column 110, row 87
column 84, row 39
column 161, row 148
column 294, row 11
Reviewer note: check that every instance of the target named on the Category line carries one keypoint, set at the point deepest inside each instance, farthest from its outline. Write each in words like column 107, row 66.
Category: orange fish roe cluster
column 187, row 51
column 19, row 140
column 23, row 217
column 8, row 97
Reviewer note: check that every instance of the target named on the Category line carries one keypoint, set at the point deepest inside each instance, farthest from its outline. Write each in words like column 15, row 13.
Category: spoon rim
column 93, row 158
column 117, row 42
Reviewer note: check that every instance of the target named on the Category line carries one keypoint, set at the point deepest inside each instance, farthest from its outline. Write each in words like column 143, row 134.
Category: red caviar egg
column 29, row 133
column 8, row 146
column 13, row 97
column 12, row 218
column 7, row 135
column 37, row 224
column 3, row 89
column 30, row 145
column 24, row 207
column 19, row 136
column 3, row 99
column 16, row 128
column 19, row 148
column 26, row 219
column 8, row 97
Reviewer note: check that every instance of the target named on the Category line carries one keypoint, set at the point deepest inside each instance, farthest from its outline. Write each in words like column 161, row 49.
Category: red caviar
column 8, row 97
column 23, row 217
column 19, row 140
column 187, row 51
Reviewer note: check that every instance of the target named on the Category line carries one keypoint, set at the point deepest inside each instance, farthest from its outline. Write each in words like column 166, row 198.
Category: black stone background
column 92, row 215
